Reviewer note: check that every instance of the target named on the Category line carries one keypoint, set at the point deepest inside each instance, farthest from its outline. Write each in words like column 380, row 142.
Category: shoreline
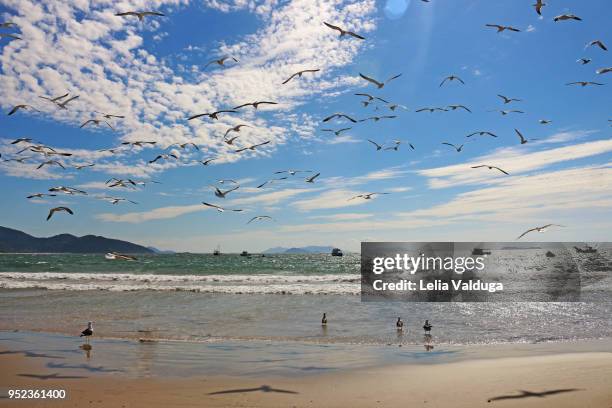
column 517, row 375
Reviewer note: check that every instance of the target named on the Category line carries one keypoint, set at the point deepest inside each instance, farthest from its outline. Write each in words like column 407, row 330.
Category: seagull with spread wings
column 508, row 100
column 212, row 115
column 206, row 162
column 371, row 97
column 66, row 190
column 57, row 209
column 22, row 106
column 82, row 166
column 271, row 181
column 505, row 112
column 164, row 157
column 140, row 14
column 379, row 84
column 220, row 61
column 336, row 132
column 255, row 104
column 299, row 74
column 564, row 17
column 292, row 172
column 451, row 78
column 40, row 195
column 139, row 143
column 455, row 107
column 62, row 104
column 367, row 196
column 501, row 28
column 520, row 135
column 544, row 121
column 482, row 133
column 490, row 168
column 339, row 116
column 457, row 148
column 539, row 229
column 235, row 129
column 377, row 118
column 50, row 162
column 597, row 43
column 96, row 122
column 584, row 61
column 117, row 200
column 603, row 70
column 344, row 32
column 431, row 110
column 584, row 83
column 397, row 145
column 260, row 217
column 252, row 147
column 220, row 209
column 109, row 116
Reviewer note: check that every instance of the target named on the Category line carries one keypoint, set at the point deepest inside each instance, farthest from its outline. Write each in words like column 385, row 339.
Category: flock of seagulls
column 232, row 134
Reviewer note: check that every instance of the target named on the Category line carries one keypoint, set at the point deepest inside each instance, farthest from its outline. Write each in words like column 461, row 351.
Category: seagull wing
column 372, row 80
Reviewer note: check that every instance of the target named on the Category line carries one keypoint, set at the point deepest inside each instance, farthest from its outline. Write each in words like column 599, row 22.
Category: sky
column 155, row 74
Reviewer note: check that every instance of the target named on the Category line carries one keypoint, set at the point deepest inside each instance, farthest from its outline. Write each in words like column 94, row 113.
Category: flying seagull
column 371, row 97
column 49, row 162
column 57, row 209
column 520, row 135
column 378, row 84
column 212, row 115
column 508, row 100
column 235, row 129
column 255, row 104
column 367, row 196
column 336, row 132
column 505, row 112
column 584, row 61
column 140, row 14
column 397, row 145
column 482, row 133
column 54, row 99
column 66, row 190
column 457, row 148
column 138, row 143
column 292, row 172
column 22, row 106
column 299, row 74
column 109, row 116
column 82, row 166
column 563, row 17
column 583, row 83
column 311, row 179
column 22, row 140
column 377, row 118
column 220, row 209
column 604, row 70
column 490, row 168
column 339, row 115
column 538, row 6
column 539, row 229
column 344, row 32
column 184, row 145
column 544, row 121
column 62, row 104
column 394, row 106
column 40, row 195
column 271, row 181
column 206, row 162
column 378, row 147
column 598, row 43
column 252, row 147
column 455, row 107
column 431, row 110
column 221, row 194
column 117, row 200
column 220, row 61
column 96, row 122
column 501, row 28
column 451, row 78
column 163, row 157
column 230, row 141
column 260, row 217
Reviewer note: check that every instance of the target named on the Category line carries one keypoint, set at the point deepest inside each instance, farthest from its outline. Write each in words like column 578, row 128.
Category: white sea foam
column 236, row 284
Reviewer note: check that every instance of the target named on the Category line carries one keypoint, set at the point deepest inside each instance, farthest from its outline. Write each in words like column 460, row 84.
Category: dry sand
column 564, row 380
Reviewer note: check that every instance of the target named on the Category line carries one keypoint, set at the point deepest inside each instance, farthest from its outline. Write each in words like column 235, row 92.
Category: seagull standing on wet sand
column 87, row 332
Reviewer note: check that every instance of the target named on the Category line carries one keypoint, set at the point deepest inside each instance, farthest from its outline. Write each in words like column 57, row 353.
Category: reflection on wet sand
column 428, row 342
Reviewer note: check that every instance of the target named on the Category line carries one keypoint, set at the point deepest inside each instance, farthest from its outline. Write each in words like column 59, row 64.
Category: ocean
column 206, row 298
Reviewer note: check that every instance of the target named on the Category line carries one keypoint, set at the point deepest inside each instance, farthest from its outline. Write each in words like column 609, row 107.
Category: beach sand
column 558, row 380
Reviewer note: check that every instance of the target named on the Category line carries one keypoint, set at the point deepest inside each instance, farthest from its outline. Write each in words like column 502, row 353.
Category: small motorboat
column 586, row 250
column 336, row 252
column 116, row 256
column 550, row 254
column 245, row 253
column 480, row 251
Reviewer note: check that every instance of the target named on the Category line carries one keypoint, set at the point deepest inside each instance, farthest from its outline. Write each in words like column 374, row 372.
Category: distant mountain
column 160, row 251
column 313, row 249
column 12, row 240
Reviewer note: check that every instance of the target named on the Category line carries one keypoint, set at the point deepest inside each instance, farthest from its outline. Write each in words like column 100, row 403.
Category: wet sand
column 539, row 379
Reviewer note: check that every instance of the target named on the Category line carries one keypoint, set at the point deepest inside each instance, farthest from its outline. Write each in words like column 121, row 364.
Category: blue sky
column 153, row 73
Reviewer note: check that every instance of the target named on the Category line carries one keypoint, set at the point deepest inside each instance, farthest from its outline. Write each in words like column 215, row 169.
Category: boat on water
column 586, row 250
column 480, row 251
column 115, row 256
column 336, row 252
column 245, row 253
column 549, row 254
column 217, row 251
